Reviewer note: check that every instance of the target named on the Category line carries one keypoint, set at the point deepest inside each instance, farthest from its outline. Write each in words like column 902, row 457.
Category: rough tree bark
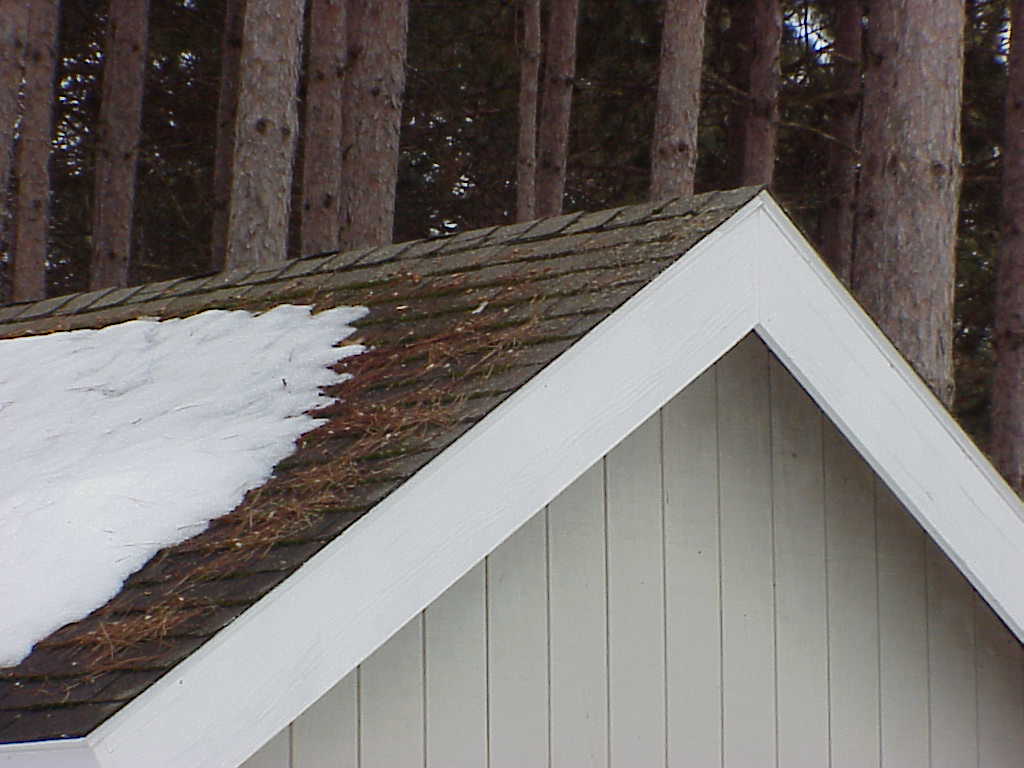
column 117, row 143
column 13, row 34
column 903, row 267
column 32, row 157
column 265, row 133
column 674, row 152
column 1007, row 448
column 374, row 86
column 761, row 126
column 841, row 209
column 529, row 81
column 321, row 169
column 227, row 113
column 556, row 105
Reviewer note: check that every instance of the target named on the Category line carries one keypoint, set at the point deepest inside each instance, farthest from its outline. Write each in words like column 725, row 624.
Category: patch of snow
column 123, row 440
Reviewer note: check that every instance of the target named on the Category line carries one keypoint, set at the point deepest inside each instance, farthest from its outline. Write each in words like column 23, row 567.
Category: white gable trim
column 754, row 273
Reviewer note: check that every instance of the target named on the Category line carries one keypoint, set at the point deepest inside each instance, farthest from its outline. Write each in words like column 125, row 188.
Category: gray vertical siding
column 730, row 586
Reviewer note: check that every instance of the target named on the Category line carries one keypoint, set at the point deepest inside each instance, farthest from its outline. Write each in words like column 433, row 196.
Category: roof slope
column 455, row 325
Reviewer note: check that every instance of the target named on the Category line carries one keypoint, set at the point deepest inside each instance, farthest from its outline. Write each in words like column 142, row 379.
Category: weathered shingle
column 456, row 324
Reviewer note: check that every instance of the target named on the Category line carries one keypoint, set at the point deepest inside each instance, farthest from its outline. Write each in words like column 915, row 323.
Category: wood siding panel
column 636, row 600
column 517, row 648
column 801, row 614
column 456, row 675
column 391, row 702
column 579, row 624
column 693, row 604
column 903, row 634
column 951, row 652
column 852, row 605
column 274, row 754
column 326, row 734
column 748, row 627
column 1000, row 687
column 731, row 586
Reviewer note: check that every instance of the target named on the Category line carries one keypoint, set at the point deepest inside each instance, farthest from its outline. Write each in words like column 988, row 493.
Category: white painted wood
column 748, row 630
column 951, row 664
column 1000, row 688
column 326, row 735
column 636, row 600
column 274, row 754
column 456, row 679
column 801, row 627
column 68, row 753
column 857, row 377
column 517, row 648
column 903, row 634
column 693, row 602
column 852, row 605
column 390, row 684
column 579, row 627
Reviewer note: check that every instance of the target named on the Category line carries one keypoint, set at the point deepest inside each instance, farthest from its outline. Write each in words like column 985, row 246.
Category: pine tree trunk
column 529, row 81
column 1008, row 382
column 762, row 120
column 674, row 152
column 840, row 213
column 374, row 88
column 265, row 133
column 556, row 105
column 117, row 145
column 13, row 34
column 321, row 170
column 32, row 157
column 903, row 268
column 737, row 42
column 227, row 113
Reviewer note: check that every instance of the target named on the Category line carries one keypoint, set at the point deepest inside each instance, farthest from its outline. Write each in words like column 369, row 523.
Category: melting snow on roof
column 120, row 441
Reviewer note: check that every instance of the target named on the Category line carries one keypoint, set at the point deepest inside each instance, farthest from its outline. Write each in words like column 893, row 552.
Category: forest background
column 458, row 150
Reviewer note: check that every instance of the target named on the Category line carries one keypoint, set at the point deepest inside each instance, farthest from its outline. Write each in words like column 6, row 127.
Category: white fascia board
column 229, row 697
column 69, row 753
column 886, row 411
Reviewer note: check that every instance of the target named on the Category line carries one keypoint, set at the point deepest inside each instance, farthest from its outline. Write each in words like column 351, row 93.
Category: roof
column 501, row 364
column 455, row 325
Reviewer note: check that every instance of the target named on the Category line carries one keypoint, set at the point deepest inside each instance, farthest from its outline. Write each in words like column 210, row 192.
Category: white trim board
column 754, row 273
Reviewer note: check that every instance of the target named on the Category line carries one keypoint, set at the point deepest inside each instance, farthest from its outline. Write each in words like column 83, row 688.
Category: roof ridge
column 20, row 318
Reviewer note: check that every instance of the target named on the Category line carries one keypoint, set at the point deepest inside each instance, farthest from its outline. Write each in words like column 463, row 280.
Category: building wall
column 731, row 585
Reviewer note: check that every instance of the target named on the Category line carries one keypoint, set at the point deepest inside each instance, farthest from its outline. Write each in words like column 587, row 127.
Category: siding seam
column 771, row 514
column 828, row 589
column 718, row 532
column 607, row 621
column 664, row 583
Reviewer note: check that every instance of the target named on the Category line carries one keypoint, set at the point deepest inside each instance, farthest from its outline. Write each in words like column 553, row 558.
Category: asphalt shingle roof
column 456, row 324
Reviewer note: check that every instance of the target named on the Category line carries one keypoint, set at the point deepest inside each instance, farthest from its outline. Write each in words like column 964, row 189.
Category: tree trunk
column 1008, row 382
column 674, row 152
column 265, row 133
column 117, row 144
column 762, row 119
column 13, row 34
column 556, row 105
column 321, row 170
column 374, row 88
column 903, row 267
column 737, row 44
column 227, row 113
column 32, row 158
column 840, row 211
column 529, row 81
